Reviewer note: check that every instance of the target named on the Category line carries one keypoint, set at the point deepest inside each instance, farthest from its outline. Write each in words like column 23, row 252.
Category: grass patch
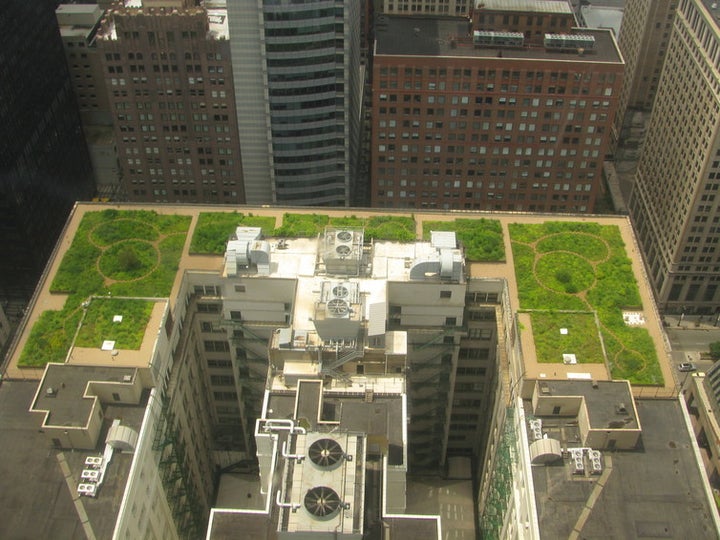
column 214, row 228
column 128, row 260
column 549, row 285
column 390, row 228
column 99, row 243
column 582, row 338
column 482, row 238
column 98, row 324
column 302, row 225
column 565, row 272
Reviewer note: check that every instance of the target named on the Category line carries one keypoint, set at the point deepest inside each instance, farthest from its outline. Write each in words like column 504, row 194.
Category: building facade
column 78, row 28
column 44, row 164
column 168, row 76
column 644, row 38
column 299, row 86
column 426, row 7
column 492, row 119
column 674, row 203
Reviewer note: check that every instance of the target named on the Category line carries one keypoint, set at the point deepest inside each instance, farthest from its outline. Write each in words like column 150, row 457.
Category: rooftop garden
column 482, row 238
column 113, row 253
column 566, row 332
column 115, row 319
column 584, row 267
column 214, row 228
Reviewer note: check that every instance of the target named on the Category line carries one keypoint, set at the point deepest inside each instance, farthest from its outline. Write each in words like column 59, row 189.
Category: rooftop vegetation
column 214, row 228
column 581, row 337
column 391, row 228
column 113, row 253
column 482, row 238
column 99, row 324
column 584, row 267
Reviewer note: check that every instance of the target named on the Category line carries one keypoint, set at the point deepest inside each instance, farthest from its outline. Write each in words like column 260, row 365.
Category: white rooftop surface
column 218, row 21
column 537, row 6
column 297, row 260
column 602, row 17
column 391, row 259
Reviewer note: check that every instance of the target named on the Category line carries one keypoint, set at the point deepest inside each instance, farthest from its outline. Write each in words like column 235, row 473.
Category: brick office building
column 169, row 79
column 467, row 118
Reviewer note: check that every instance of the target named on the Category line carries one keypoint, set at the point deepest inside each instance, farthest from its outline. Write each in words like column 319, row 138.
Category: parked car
column 687, row 366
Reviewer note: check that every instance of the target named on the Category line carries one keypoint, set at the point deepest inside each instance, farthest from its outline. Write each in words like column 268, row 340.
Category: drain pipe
column 284, row 424
column 285, row 454
column 292, row 506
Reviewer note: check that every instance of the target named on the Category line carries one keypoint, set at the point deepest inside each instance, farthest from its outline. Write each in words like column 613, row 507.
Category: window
column 225, row 396
column 207, row 290
column 239, row 288
column 236, row 315
column 116, row 396
column 216, row 346
column 208, row 308
column 450, row 321
column 445, row 294
column 222, row 380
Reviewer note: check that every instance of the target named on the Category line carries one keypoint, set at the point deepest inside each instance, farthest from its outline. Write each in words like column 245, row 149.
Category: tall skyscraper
column 509, row 111
column 169, row 78
column 643, row 41
column 298, row 87
column 44, row 165
column 79, row 24
column 674, row 203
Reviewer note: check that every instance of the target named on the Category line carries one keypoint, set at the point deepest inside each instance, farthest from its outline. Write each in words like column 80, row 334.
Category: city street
column 690, row 341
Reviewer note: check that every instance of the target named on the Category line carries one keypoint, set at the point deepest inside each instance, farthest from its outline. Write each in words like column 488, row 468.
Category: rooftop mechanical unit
column 569, row 42
column 487, row 38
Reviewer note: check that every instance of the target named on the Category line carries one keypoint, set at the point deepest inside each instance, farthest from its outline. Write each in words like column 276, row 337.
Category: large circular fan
column 338, row 307
column 322, row 501
column 325, row 452
column 344, row 236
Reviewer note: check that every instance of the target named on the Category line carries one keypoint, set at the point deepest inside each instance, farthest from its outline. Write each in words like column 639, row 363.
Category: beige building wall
column 643, row 41
column 674, row 205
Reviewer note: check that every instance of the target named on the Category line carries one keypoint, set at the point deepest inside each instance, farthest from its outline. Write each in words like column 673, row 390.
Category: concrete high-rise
column 79, row 24
column 674, row 203
column 507, row 112
column 168, row 76
column 44, row 165
column 298, row 85
column 643, row 40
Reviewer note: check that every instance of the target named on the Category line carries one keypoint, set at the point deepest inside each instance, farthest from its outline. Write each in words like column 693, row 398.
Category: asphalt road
column 691, row 343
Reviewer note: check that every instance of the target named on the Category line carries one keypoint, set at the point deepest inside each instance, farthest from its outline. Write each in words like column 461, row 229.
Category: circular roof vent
column 325, row 453
column 322, row 502
column 344, row 236
column 340, row 291
column 338, row 307
column 343, row 250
